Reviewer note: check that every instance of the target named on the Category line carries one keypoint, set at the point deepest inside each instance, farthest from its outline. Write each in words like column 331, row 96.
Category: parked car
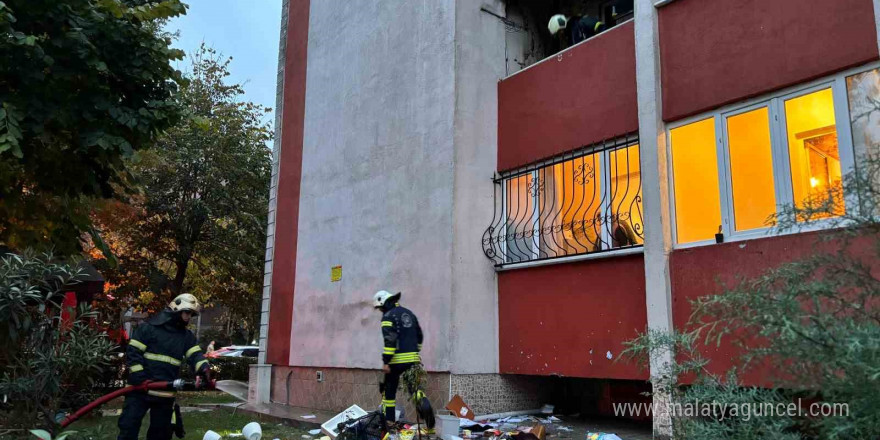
column 235, row 351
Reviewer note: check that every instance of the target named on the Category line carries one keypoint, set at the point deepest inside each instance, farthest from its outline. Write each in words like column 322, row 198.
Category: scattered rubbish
column 447, row 426
column 368, row 427
column 459, row 408
column 309, row 416
column 554, row 419
column 602, row 436
column 211, row 435
column 322, row 438
column 305, row 436
column 252, row 431
column 547, row 409
column 407, row 434
column 353, row 412
column 565, row 428
column 235, row 434
column 315, row 432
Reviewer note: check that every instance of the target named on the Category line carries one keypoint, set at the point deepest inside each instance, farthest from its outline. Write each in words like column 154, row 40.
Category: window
column 697, row 203
column 733, row 170
column 585, row 202
column 813, row 150
column 751, row 168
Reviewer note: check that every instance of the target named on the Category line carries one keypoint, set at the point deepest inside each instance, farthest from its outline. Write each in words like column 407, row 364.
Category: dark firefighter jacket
column 158, row 348
column 402, row 335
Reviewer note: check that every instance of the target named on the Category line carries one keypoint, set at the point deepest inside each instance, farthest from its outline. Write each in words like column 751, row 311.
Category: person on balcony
column 575, row 29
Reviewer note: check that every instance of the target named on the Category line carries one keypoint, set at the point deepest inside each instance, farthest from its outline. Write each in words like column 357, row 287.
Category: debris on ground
column 601, row 436
column 252, row 431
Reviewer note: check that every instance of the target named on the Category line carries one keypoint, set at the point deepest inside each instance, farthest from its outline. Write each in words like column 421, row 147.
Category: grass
column 224, row 421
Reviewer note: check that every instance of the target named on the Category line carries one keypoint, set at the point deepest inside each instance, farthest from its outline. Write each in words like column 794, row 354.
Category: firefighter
column 155, row 352
column 403, row 338
column 576, row 29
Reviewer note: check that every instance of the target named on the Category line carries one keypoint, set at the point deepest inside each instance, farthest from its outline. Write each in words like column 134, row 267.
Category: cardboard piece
column 539, row 431
column 459, row 408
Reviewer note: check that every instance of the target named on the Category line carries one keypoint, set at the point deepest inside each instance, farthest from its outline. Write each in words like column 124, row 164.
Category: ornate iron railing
column 585, row 201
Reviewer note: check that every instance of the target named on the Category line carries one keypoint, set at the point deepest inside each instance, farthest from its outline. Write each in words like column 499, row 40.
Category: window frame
column 775, row 103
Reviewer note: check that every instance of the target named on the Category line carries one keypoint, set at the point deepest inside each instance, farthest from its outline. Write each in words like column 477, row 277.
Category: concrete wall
column 377, row 179
column 777, row 43
column 479, row 64
column 583, row 95
column 283, row 233
column 566, row 319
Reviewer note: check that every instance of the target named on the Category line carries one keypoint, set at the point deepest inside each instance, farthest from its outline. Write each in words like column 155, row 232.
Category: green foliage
column 45, row 365
column 414, row 379
column 814, row 321
column 84, row 84
column 199, row 221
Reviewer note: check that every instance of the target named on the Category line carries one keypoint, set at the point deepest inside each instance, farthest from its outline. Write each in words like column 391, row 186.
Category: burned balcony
column 585, row 201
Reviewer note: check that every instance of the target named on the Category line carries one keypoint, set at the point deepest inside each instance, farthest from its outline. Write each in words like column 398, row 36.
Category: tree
column 84, row 84
column 815, row 322
column 198, row 223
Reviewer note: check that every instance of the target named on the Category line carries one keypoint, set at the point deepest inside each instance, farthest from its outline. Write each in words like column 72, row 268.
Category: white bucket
column 447, row 426
column 252, row 431
column 211, row 435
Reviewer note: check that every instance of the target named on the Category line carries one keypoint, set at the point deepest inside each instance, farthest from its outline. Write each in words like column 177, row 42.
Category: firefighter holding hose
column 155, row 352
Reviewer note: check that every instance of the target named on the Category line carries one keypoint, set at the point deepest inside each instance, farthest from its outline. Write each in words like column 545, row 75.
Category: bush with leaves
column 46, row 365
column 814, row 322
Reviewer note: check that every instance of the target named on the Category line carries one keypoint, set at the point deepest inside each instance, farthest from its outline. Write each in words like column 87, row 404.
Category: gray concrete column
column 658, row 236
column 877, row 20
column 263, row 381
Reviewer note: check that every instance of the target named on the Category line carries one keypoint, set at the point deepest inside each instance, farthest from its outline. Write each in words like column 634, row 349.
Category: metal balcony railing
column 583, row 202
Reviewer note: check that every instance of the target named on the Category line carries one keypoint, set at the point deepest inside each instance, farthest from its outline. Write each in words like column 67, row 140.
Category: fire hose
column 176, row 385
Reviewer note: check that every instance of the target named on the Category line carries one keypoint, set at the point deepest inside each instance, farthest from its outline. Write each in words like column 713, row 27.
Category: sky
column 246, row 30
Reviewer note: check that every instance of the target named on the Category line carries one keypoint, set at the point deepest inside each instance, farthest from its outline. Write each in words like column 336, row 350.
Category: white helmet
column 557, row 22
column 382, row 296
column 186, row 302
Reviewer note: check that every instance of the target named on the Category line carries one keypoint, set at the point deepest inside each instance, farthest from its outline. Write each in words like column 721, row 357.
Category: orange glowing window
column 695, row 181
column 813, row 151
column 751, row 169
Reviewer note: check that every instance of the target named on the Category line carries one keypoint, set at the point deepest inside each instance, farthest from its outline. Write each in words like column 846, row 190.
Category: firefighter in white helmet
column 402, row 338
column 155, row 352
column 573, row 30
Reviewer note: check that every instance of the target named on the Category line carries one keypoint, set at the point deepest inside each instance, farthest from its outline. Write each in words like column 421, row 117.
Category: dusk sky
column 246, row 30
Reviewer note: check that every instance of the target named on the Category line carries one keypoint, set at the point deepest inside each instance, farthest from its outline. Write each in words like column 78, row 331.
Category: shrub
column 44, row 366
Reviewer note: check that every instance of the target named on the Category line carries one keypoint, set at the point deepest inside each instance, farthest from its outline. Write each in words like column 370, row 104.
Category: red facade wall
column 579, row 97
column 721, row 51
column 563, row 319
column 707, row 270
column 290, row 172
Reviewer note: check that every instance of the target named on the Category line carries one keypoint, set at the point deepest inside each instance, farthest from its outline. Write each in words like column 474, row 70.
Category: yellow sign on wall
column 335, row 274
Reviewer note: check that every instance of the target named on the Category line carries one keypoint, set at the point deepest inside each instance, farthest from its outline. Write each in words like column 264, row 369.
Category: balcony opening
column 584, row 202
column 529, row 39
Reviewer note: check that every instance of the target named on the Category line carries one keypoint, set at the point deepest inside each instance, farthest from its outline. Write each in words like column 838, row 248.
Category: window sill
column 571, row 259
column 756, row 234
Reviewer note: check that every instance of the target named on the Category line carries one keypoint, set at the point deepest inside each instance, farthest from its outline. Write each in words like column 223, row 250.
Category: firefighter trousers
column 392, row 381
column 136, row 406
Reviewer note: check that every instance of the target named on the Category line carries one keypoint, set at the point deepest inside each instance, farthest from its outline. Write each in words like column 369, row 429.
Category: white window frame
column 775, row 103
